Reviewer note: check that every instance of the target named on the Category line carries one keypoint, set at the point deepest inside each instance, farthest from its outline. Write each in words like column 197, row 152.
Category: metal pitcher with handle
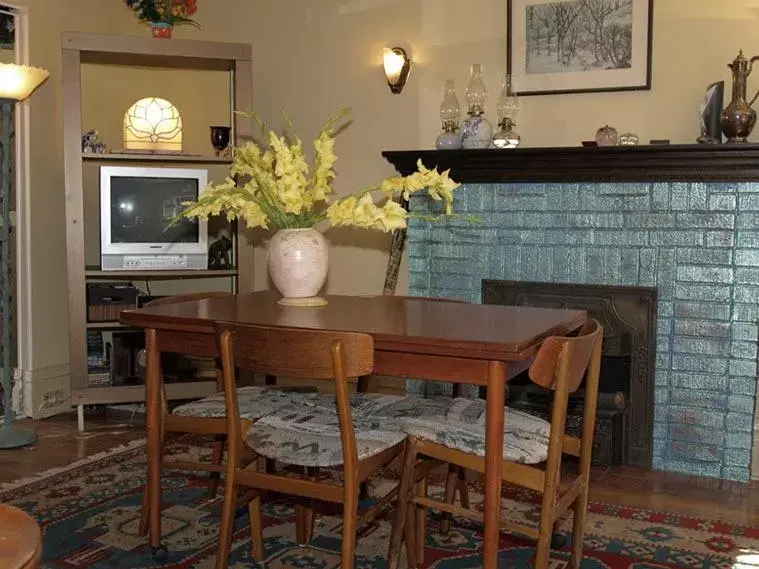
column 738, row 118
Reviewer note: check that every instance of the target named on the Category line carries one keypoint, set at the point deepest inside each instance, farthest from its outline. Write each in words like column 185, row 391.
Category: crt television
column 137, row 206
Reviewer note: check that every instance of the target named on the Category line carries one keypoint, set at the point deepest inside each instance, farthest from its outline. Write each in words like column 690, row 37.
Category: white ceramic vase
column 298, row 262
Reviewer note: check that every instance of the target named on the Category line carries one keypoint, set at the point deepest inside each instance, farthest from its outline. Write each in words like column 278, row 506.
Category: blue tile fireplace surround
column 691, row 232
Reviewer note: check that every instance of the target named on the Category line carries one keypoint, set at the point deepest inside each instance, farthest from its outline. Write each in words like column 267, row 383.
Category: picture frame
column 579, row 46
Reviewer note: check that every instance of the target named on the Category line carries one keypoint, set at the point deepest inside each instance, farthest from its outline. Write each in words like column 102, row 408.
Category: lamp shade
column 17, row 82
column 153, row 124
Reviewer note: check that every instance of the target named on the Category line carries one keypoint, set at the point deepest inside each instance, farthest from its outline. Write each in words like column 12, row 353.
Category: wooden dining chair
column 532, row 448
column 456, row 479
column 206, row 416
column 325, row 436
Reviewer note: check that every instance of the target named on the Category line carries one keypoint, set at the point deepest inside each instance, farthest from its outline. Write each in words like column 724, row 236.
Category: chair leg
column 463, row 488
column 350, row 520
column 409, row 536
column 256, row 529
column 144, row 512
column 543, row 550
column 545, row 535
column 304, row 514
column 578, row 528
column 227, row 523
column 420, row 526
column 216, row 457
column 304, row 523
column 451, row 480
column 402, row 507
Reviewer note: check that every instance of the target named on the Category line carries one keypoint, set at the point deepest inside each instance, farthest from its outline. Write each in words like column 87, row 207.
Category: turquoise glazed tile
column 698, row 244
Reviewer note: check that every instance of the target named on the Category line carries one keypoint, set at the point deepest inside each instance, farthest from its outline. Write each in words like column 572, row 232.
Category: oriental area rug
column 90, row 511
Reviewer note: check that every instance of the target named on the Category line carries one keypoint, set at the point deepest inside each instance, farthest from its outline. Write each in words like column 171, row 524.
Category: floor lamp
column 17, row 82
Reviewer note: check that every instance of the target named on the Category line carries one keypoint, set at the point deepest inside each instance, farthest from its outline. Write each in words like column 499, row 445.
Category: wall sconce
column 397, row 67
column 153, row 124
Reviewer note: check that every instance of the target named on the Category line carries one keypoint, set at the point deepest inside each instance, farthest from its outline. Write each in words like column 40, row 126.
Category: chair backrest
column 560, row 364
column 186, row 297
column 562, row 361
column 300, row 354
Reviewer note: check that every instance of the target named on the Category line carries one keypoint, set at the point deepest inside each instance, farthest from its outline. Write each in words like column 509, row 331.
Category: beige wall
column 314, row 56
column 46, row 365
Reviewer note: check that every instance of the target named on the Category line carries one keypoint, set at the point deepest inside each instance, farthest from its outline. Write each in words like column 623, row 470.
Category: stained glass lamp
column 153, row 124
column 17, row 82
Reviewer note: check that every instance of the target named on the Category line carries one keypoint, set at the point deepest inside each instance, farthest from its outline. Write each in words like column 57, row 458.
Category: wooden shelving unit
column 160, row 275
column 182, row 158
column 85, row 48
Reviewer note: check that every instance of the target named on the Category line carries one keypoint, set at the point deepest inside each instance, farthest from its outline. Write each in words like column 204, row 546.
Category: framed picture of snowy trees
column 579, row 46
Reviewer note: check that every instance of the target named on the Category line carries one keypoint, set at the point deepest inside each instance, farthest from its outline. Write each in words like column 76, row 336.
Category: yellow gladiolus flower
column 275, row 185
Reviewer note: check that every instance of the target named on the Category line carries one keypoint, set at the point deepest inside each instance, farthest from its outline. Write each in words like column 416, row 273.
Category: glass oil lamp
column 476, row 131
column 508, row 109
column 450, row 112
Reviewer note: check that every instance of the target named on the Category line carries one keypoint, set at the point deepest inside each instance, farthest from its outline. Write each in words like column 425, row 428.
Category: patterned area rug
column 90, row 512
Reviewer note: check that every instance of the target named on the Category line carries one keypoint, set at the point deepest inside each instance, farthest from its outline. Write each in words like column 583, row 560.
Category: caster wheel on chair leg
column 160, row 553
column 558, row 540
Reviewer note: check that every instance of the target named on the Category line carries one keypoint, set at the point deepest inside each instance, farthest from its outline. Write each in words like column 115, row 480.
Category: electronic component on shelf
column 105, row 301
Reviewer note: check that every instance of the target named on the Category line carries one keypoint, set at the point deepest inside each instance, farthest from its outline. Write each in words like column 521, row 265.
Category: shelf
column 665, row 163
column 105, row 325
column 117, row 157
column 136, row 393
column 168, row 274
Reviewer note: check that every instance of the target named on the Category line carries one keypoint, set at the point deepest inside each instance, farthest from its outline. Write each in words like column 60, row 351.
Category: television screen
column 142, row 209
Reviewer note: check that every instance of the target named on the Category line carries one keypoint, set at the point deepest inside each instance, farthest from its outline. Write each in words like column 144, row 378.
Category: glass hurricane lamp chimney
column 450, row 110
column 508, row 103
column 476, row 93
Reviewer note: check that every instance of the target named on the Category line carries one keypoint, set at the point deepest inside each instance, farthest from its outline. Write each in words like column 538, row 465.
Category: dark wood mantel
column 665, row 163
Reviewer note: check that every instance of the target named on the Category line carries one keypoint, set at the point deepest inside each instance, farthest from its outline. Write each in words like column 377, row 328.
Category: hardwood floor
column 60, row 443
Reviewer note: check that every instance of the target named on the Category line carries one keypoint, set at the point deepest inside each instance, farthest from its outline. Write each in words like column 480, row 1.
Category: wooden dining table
column 425, row 339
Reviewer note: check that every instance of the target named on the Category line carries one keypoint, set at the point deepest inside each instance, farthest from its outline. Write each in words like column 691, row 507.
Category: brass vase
column 738, row 118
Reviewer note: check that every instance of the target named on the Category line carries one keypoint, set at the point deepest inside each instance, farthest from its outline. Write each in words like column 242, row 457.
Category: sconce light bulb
column 397, row 66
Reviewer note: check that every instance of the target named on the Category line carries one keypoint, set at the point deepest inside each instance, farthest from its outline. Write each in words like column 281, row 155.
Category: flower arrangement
column 274, row 187
column 169, row 12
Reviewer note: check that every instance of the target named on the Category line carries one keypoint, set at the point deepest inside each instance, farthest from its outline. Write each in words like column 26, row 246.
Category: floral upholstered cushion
column 461, row 426
column 395, row 408
column 309, row 435
column 253, row 402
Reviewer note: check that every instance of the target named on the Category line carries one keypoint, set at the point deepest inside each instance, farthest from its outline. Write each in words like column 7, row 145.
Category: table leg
column 153, row 407
column 493, row 462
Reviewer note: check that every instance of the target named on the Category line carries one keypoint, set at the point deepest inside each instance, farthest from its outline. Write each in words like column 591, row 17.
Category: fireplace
column 628, row 315
column 681, row 219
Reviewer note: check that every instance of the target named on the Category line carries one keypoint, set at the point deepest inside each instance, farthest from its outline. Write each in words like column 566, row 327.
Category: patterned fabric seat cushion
column 253, row 402
column 396, row 408
column 460, row 425
column 308, row 434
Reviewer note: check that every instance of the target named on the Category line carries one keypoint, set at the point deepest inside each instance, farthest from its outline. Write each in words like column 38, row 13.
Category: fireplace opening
column 624, row 420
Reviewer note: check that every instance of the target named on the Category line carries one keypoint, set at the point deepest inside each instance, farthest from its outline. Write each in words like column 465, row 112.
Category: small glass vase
column 298, row 262
column 162, row 30
column 475, row 129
